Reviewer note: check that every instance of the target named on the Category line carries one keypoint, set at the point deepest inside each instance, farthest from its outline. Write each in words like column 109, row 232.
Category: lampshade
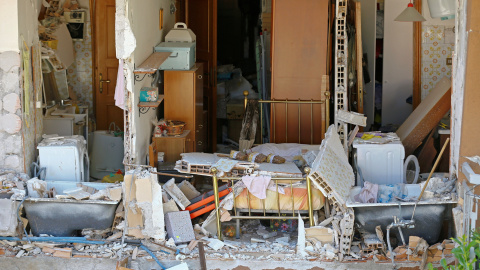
column 410, row 14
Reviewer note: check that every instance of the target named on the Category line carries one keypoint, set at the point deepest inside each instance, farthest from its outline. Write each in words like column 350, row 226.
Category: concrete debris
column 379, row 232
column 170, row 243
column 170, row 206
column 179, row 226
column 20, row 253
column 215, row 244
column 176, row 194
column 188, row 190
column 301, row 237
column 182, row 266
column 256, row 240
column 77, row 193
column 36, row 188
column 266, row 234
column 320, row 233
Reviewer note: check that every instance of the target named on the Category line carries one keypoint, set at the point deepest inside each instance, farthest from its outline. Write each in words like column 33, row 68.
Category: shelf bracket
column 137, row 77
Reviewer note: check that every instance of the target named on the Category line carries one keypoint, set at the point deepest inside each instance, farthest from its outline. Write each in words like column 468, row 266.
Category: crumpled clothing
column 368, row 194
column 258, row 185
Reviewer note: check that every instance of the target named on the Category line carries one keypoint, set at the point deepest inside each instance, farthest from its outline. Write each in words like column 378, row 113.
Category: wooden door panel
column 106, row 64
column 199, row 128
column 299, row 61
column 201, row 17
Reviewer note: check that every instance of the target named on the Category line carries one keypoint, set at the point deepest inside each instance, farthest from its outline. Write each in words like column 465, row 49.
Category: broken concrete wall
column 20, row 122
column 143, row 205
column 11, row 144
column 8, row 217
column 137, row 31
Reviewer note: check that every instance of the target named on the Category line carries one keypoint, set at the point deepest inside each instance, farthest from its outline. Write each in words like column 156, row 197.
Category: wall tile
column 433, row 33
column 437, row 46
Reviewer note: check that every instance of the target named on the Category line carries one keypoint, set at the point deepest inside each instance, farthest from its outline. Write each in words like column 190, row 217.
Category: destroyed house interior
column 239, row 134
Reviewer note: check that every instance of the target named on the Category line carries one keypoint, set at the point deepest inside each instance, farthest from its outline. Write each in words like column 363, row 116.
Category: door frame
column 94, row 56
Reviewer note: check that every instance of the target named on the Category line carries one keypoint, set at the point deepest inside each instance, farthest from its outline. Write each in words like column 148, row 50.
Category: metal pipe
column 299, row 122
column 266, row 218
column 286, row 121
column 173, row 175
column 311, row 123
column 309, row 196
column 293, row 101
column 217, row 202
column 389, row 245
column 81, row 240
column 153, row 255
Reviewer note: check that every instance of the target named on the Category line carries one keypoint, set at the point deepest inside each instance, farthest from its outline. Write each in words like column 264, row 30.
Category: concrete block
column 179, row 226
column 8, row 217
column 176, row 194
column 188, row 189
column 12, row 162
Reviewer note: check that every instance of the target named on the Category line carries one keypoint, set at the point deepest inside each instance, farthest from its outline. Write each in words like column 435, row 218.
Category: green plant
column 462, row 253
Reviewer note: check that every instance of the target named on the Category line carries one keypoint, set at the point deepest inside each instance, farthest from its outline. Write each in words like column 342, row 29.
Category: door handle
column 101, row 83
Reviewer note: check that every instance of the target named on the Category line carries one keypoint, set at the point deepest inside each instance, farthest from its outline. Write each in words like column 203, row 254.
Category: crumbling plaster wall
column 468, row 81
column 143, row 21
column 17, row 137
column 458, row 86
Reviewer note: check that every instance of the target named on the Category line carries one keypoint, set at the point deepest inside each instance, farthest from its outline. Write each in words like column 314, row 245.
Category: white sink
column 69, row 111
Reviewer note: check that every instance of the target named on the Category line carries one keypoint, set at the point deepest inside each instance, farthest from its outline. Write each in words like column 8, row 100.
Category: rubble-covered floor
column 50, row 263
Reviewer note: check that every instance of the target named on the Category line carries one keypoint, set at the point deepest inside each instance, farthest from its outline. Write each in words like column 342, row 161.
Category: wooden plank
column 153, row 62
column 201, row 252
column 153, row 104
column 153, row 154
column 426, row 116
column 427, row 155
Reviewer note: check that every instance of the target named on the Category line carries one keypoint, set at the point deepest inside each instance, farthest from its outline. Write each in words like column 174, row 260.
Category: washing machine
column 65, row 158
column 380, row 164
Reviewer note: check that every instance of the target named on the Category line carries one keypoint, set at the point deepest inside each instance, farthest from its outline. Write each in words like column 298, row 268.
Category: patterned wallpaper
column 438, row 44
column 80, row 73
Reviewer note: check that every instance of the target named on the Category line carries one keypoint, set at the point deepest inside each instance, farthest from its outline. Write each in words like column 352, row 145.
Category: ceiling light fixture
column 410, row 14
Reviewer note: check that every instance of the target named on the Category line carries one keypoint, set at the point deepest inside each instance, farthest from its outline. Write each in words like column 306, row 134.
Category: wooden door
column 106, row 66
column 299, row 61
column 198, row 103
column 201, row 17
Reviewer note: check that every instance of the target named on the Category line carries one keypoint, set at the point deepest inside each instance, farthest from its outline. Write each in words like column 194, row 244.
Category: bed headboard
column 294, row 121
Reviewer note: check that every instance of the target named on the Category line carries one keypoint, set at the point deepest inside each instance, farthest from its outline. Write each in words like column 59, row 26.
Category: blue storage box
column 148, row 94
column 182, row 57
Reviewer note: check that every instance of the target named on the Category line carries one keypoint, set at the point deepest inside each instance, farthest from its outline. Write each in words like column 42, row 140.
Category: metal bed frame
column 237, row 216
column 286, row 103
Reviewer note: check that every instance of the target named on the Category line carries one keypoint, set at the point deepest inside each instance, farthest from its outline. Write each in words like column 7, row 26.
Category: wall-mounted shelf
column 150, row 65
column 144, row 107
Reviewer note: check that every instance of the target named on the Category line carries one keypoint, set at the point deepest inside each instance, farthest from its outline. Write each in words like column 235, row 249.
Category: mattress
column 300, row 199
